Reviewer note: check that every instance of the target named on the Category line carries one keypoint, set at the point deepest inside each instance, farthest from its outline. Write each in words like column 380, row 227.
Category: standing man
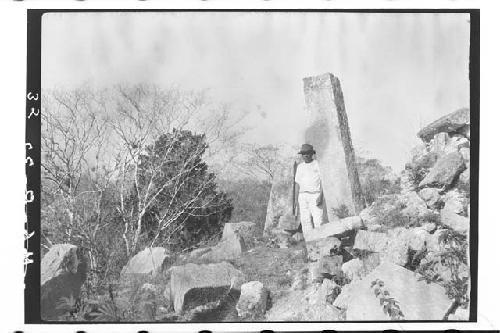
column 310, row 192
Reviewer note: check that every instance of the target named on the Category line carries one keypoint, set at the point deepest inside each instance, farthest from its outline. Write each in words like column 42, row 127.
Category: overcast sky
column 398, row 71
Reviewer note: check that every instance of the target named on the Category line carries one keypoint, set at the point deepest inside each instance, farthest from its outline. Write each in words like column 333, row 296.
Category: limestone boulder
column 253, row 300
column 445, row 171
column 326, row 267
column 228, row 248
column 431, row 196
column 322, row 247
column 455, row 144
column 452, row 122
column 455, row 202
column 62, row 272
column 193, row 285
column 335, row 228
column 314, row 303
column 414, row 205
column 358, row 268
column 371, row 241
column 247, row 231
column 149, row 261
column 416, row 299
column 289, row 222
column 454, row 221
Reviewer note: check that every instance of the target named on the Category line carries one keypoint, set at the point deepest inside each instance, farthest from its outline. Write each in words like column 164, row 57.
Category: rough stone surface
column 460, row 315
column 322, row 247
column 439, row 142
column 414, row 205
column 149, row 261
column 328, row 131
column 289, row 222
column 453, row 220
column 329, row 266
column 228, row 248
column 358, row 268
column 371, row 241
column 444, row 172
column 449, row 123
column 313, row 303
column 431, row 196
column 63, row 271
column 455, row 202
column 253, row 300
column 367, row 216
column 298, row 237
column 417, row 299
column 247, row 231
column 193, row 285
column 455, row 144
column 196, row 253
column 334, row 228
column 280, row 199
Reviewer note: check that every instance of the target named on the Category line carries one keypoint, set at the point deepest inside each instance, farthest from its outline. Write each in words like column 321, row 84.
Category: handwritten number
column 34, row 113
column 30, row 97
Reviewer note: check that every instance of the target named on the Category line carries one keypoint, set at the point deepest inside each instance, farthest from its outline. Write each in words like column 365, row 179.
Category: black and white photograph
column 256, row 166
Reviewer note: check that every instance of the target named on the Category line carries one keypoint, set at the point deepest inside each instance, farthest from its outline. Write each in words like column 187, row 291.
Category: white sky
column 398, row 71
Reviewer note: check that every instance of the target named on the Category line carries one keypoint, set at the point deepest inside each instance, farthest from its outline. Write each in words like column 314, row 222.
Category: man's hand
column 319, row 200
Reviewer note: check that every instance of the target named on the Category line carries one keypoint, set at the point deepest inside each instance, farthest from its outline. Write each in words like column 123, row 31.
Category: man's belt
column 310, row 192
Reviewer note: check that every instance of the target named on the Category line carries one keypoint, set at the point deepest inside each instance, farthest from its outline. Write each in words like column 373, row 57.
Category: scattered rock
column 367, row 216
column 149, row 261
column 322, row 247
column 253, row 300
column 298, row 237
column 326, row 267
column 62, row 273
column 196, row 253
column 192, row 285
column 460, row 315
column 439, row 142
column 404, row 286
column 371, row 241
column 449, row 123
column 311, row 304
column 456, row 222
column 414, row 205
column 334, row 228
column 431, row 196
column 228, row 248
column 247, row 231
column 429, row 226
column 444, row 172
column 358, row 268
column 456, row 144
column 455, row 202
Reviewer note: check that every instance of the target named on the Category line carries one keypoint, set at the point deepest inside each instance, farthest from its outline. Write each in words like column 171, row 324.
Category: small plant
column 389, row 305
column 341, row 212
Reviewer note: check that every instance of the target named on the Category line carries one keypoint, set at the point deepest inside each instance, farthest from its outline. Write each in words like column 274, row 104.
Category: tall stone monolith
column 328, row 131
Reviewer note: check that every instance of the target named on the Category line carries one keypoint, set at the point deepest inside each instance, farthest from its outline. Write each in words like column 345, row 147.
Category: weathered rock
column 431, row 196
column 432, row 241
column 358, row 268
column 329, row 133
column 193, row 285
column 311, row 304
column 417, row 299
column 449, row 123
column 336, row 228
column 371, row 241
column 455, row 144
column 247, row 231
column 429, row 226
column 149, row 261
column 228, row 248
column 414, row 205
column 280, row 198
column 444, row 172
column 62, row 273
column 460, row 315
column 326, row 267
column 367, row 216
column 453, row 220
column 253, row 300
column 439, row 142
column 322, row 247
column 289, row 222
column 196, row 253
column 455, row 202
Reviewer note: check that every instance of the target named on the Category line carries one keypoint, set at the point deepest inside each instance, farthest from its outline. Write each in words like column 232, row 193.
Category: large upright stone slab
column 328, row 131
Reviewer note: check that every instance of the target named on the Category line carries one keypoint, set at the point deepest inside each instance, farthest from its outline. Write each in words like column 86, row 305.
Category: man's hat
column 307, row 149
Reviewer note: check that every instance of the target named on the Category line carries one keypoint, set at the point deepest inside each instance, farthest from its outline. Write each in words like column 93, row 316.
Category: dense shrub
column 375, row 179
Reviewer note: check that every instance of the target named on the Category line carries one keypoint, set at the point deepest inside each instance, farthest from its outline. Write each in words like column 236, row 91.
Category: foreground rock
column 194, row 285
column 334, row 228
column 450, row 123
column 228, row 248
column 445, row 171
column 415, row 298
column 315, row 303
column 63, row 271
column 322, row 247
column 253, row 301
column 149, row 261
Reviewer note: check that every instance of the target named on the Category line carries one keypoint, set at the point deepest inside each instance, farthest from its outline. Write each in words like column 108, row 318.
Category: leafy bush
column 374, row 179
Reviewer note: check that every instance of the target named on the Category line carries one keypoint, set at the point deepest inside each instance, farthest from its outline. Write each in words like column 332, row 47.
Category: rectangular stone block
column 328, row 131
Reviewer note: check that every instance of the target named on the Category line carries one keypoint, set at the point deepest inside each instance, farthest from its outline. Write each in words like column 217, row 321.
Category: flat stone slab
column 449, row 123
column 63, row 270
column 193, row 285
column 228, row 248
column 417, row 299
column 247, row 231
column 334, row 228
